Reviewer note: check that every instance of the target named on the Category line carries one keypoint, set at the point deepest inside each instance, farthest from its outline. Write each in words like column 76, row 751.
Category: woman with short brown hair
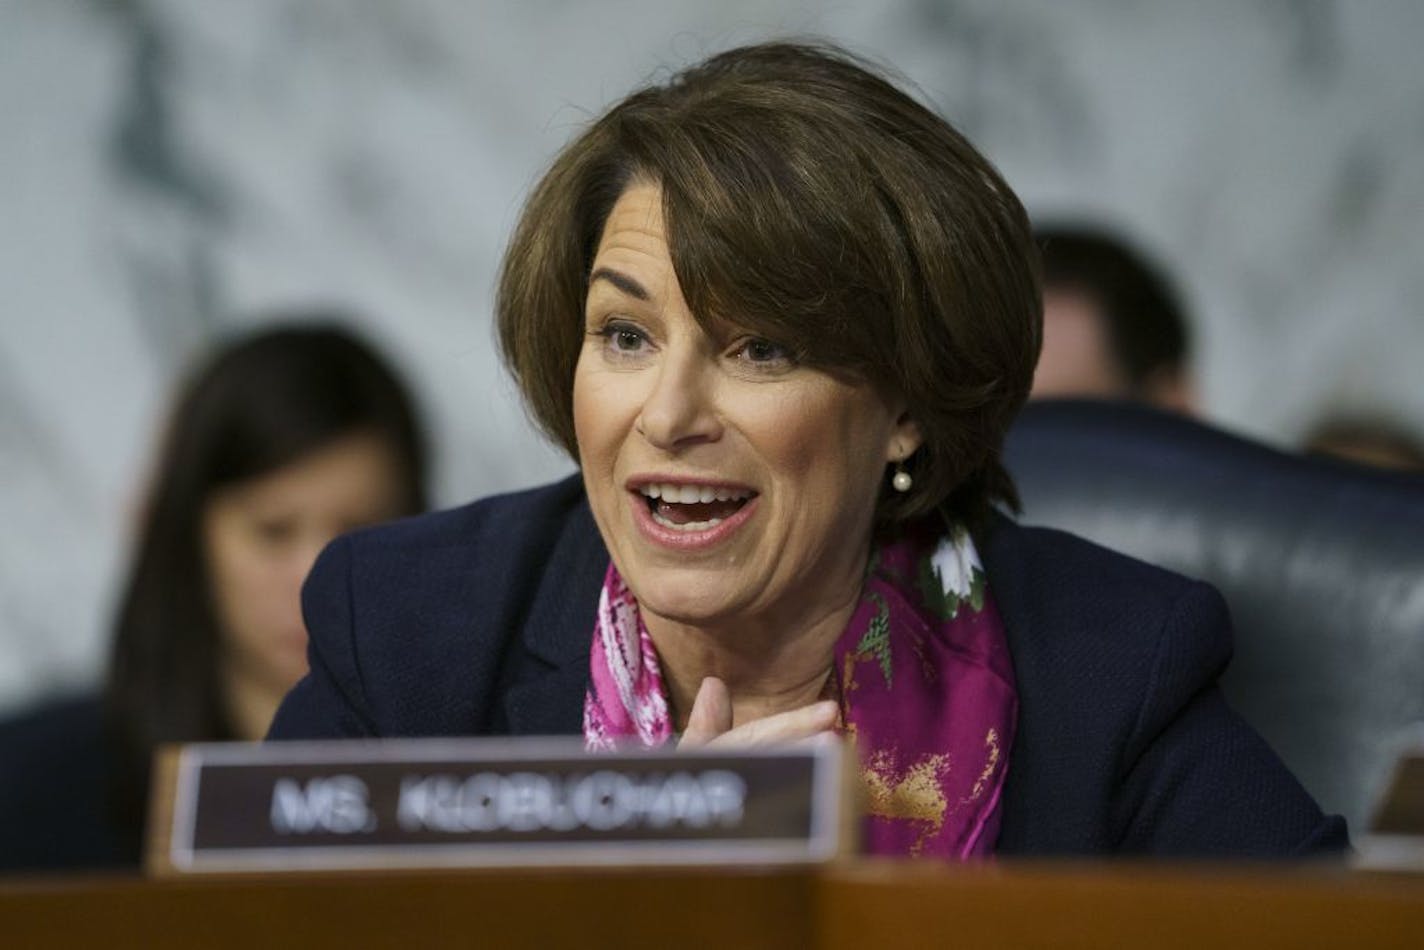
column 782, row 315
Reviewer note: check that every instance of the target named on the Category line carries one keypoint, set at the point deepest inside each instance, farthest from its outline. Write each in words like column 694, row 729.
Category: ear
column 905, row 438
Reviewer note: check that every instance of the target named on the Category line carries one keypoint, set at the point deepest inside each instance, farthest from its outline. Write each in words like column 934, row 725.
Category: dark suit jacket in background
column 55, row 780
column 479, row 621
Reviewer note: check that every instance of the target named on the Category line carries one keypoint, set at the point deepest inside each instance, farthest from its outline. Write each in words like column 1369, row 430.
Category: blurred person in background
column 278, row 443
column 1113, row 328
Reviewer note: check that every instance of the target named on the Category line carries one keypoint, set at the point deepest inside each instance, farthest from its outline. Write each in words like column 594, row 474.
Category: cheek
column 250, row 591
column 237, row 586
column 832, row 442
column 598, row 443
column 585, row 405
column 604, row 410
column 585, row 420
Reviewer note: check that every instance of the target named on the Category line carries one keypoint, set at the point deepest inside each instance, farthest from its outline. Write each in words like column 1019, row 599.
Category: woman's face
column 727, row 481
column 261, row 536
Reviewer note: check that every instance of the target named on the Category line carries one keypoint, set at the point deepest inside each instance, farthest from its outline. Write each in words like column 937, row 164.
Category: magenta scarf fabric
column 923, row 677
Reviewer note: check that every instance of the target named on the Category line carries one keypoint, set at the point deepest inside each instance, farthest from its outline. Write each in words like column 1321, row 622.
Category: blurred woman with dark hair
column 276, row 445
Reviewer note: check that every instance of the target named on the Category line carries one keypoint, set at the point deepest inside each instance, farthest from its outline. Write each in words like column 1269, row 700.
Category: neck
column 251, row 703
column 770, row 664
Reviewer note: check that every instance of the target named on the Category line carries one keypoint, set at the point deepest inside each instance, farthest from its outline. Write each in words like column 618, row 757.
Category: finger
column 711, row 714
column 783, row 727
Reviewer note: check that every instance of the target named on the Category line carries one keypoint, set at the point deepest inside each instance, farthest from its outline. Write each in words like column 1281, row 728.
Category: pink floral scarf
column 923, row 677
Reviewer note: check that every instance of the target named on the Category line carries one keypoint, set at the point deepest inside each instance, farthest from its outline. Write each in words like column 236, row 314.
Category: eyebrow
column 622, row 281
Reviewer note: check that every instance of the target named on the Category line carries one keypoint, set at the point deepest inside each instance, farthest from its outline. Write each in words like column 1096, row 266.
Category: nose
column 680, row 409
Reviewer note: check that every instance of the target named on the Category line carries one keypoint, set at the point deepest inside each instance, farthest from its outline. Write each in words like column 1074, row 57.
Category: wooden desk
column 1117, row 905
column 866, row 906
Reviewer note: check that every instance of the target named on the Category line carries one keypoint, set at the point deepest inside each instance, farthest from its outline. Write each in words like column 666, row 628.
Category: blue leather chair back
column 1322, row 563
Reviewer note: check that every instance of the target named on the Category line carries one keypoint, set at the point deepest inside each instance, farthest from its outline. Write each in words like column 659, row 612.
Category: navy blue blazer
column 477, row 621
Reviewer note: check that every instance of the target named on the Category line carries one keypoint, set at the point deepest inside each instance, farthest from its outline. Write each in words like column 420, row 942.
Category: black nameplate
column 481, row 802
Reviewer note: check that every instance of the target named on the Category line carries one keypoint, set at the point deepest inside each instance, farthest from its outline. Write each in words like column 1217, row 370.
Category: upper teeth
column 693, row 494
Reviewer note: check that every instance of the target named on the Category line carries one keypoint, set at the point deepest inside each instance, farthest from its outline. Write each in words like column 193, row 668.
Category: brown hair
column 810, row 201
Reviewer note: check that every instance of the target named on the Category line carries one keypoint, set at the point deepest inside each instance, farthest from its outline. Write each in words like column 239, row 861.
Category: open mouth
column 693, row 507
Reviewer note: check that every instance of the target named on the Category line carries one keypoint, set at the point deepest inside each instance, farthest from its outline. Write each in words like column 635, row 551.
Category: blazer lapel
column 1004, row 567
column 545, row 696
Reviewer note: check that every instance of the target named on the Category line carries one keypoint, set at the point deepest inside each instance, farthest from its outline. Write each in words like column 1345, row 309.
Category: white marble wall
column 168, row 165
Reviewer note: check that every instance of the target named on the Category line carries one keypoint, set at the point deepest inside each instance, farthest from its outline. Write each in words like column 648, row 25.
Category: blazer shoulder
column 1069, row 596
column 408, row 621
column 522, row 517
column 1075, row 564
column 1116, row 662
column 444, row 564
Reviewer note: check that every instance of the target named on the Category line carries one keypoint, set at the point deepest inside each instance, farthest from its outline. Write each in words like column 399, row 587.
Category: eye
column 765, row 353
column 274, row 531
column 623, row 339
column 627, row 339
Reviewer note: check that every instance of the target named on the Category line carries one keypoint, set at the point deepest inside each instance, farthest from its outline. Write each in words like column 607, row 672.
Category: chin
column 685, row 600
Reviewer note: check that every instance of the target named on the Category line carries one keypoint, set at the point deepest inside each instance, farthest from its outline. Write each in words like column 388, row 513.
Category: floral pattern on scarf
column 922, row 675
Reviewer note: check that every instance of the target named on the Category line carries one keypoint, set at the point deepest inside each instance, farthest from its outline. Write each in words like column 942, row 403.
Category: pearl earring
column 902, row 480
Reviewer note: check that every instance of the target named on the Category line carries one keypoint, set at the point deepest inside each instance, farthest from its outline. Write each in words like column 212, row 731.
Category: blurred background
column 169, row 167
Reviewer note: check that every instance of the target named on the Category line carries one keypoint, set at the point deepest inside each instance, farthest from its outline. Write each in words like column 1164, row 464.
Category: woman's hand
column 710, row 722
